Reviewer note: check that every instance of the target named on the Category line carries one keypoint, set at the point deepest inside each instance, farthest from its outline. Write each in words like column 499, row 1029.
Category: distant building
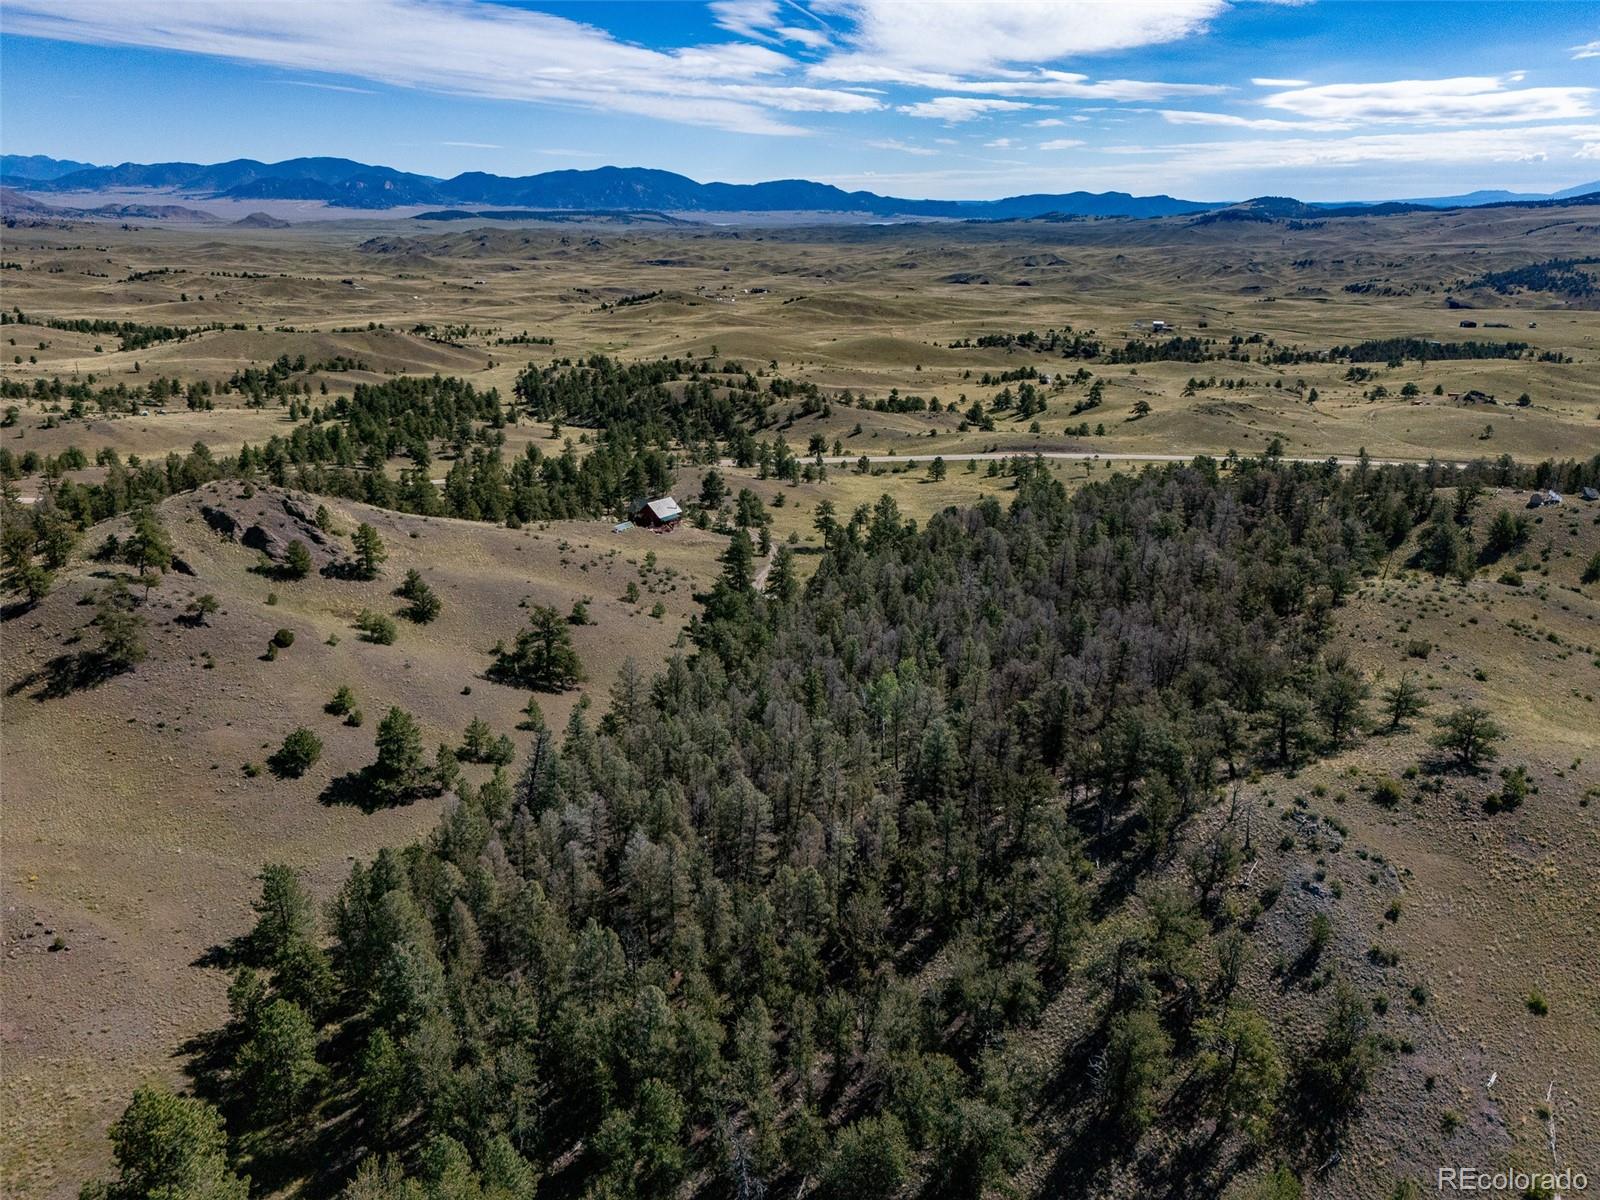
column 1158, row 326
column 1545, row 499
column 660, row 513
column 1590, row 494
column 1469, row 324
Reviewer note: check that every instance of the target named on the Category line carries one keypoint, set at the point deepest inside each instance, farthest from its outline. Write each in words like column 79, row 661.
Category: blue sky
column 1206, row 99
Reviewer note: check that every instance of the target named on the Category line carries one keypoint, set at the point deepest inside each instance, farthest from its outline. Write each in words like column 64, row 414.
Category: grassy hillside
column 134, row 830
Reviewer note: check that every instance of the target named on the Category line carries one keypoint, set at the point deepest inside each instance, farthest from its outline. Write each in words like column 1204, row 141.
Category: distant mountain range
column 39, row 166
column 347, row 184
column 343, row 183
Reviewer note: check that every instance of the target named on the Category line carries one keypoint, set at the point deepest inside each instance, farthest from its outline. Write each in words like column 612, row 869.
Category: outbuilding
column 663, row 512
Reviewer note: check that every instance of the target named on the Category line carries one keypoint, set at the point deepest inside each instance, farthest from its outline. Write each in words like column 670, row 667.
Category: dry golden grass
column 865, row 309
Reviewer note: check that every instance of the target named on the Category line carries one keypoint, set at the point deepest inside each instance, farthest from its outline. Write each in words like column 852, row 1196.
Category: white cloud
column 748, row 18
column 1004, row 143
column 328, row 87
column 475, row 145
column 1038, row 83
column 759, row 19
column 1233, row 121
column 959, row 108
column 1061, row 144
column 1459, row 101
column 461, row 47
column 1263, row 81
column 1048, row 123
column 1587, row 50
column 1588, row 150
column 1458, row 147
column 965, row 37
column 902, row 147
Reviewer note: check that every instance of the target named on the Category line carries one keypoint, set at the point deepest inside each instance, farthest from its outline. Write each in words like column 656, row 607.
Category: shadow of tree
column 370, row 791
column 66, row 674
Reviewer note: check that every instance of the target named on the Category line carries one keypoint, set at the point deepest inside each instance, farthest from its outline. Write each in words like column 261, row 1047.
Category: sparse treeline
column 1561, row 276
column 132, row 334
column 787, row 915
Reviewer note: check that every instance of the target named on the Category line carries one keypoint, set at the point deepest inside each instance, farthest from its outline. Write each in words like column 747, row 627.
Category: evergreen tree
column 121, row 630
column 1240, row 1071
column 299, row 753
column 1404, row 701
column 871, row 1160
column 148, row 545
column 277, row 1067
column 296, row 560
column 1470, row 734
column 171, row 1147
column 401, row 769
column 370, row 551
column 1136, row 1054
column 782, row 584
column 543, row 658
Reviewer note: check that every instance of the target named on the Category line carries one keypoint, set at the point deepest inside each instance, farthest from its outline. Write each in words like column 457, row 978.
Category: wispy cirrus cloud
column 327, row 87
column 1061, row 144
column 955, row 109
column 764, row 21
column 1266, row 82
column 1587, row 50
column 461, row 47
column 1037, row 83
column 902, row 147
column 1234, row 121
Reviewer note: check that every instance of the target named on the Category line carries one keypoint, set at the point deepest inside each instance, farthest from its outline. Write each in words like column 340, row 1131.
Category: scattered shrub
column 299, row 752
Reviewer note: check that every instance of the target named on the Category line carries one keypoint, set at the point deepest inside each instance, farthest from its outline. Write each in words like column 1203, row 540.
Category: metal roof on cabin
column 664, row 509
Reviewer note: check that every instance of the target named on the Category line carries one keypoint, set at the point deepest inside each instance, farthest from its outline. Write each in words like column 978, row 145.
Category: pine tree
column 782, row 584
column 1136, row 1062
column 401, row 769
column 370, row 551
column 121, row 630
column 169, row 1146
column 1470, row 734
column 285, row 914
column 148, row 546
column 543, row 658
column 278, row 1064
column 296, row 560
column 1404, row 701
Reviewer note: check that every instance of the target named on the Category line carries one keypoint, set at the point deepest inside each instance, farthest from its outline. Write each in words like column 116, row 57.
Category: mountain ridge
column 346, row 183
